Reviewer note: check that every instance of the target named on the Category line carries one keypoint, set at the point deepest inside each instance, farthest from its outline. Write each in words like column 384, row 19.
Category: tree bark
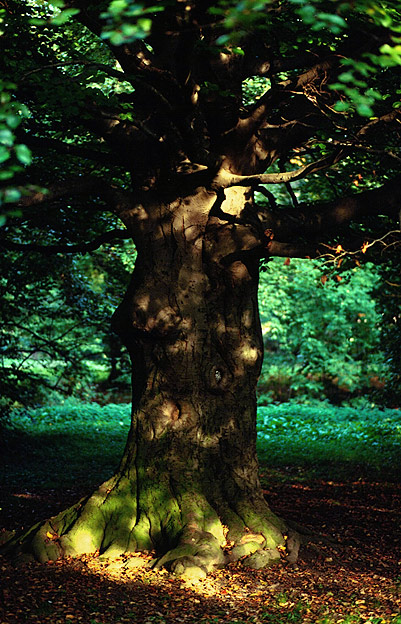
column 188, row 485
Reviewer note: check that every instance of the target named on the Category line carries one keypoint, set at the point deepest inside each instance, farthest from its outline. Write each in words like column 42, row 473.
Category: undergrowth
column 320, row 439
column 329, row 440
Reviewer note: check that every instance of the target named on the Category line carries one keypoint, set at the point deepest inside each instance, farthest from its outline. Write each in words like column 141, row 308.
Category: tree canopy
column 169, row 92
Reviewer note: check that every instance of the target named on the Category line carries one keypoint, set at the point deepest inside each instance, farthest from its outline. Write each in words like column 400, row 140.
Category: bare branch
column 291, row 193
column 263, row 191
column 393, row 116
column 45, row 143
column 337, row 254
column 109, row 70
column 350, row 145
column 83, row 248
column 225, row 179
column 283, row 90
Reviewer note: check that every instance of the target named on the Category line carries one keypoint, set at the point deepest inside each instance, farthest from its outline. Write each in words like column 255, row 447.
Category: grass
column 64, row 444
column 331, row 441
column 76, row 440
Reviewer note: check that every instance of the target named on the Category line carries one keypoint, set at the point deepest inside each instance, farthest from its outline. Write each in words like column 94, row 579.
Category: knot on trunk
column 219, row 378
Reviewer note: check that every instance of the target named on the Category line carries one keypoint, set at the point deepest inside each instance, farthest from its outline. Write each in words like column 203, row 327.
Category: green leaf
column 223, row 39
column 117, row 6
column 333, row 21
column 12, row 195
column 37, row 21
column 346, row 77
column 23, row 154
column 372, row 93
column 6, row 137
column 13, row 121
column 341, row 106
column 6, row 174
column 364, row 109
column 64, row 16
column 307, row 13
column 4, row 153
column 145, row 23
column 117, row 38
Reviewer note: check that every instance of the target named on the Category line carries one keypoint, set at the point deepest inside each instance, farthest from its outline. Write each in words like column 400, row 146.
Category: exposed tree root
column 190, row 536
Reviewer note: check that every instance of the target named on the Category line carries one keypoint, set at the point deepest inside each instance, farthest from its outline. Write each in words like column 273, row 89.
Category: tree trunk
column 188, row 485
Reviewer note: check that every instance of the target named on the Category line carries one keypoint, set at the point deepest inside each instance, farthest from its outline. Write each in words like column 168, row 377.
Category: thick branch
column 292, row 250
column 284, row 90
column 70, row 187
column 118, row 200
column 319, row 224
column 394, row 116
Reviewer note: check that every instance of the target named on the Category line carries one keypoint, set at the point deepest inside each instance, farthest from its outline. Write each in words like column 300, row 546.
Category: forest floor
column 336, row 473
column 353, row 575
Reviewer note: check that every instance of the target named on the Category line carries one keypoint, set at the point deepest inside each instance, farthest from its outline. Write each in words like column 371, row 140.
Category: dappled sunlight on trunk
column 188, row 483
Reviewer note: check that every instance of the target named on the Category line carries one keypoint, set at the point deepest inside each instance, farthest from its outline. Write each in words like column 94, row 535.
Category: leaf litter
column 349, row 569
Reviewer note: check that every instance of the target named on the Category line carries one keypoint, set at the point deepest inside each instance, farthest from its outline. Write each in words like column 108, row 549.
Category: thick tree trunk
column 187, row 486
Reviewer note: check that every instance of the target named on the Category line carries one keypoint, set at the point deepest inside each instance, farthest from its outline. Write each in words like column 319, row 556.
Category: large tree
column 177, row 119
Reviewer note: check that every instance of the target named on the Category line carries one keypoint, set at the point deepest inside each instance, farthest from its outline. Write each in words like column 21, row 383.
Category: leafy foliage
column 13, row 155
column 54, row 334
column 388, row 295
column 330, row 439
column 321, row 331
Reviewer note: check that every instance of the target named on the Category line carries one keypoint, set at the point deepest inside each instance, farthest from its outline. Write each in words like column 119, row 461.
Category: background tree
column 55, row 328
column 141, row 113
column 321, row 333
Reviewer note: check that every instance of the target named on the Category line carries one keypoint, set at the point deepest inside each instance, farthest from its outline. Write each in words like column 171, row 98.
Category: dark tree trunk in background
column 188, row 483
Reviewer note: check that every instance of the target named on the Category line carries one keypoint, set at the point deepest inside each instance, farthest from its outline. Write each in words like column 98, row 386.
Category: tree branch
column 45, row 143
column 311, row 224
column 375, row 124
column 83, row 248
column 134, row 137
column 118, row 200
column 225, row 179
column 292, row 250
column 70, row 187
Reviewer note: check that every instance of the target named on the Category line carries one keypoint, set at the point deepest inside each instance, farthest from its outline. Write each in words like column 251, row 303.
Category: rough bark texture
column 187, row 486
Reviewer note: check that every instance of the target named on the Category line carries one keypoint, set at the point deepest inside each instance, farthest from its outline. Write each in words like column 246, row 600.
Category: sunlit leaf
column 23, row 154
